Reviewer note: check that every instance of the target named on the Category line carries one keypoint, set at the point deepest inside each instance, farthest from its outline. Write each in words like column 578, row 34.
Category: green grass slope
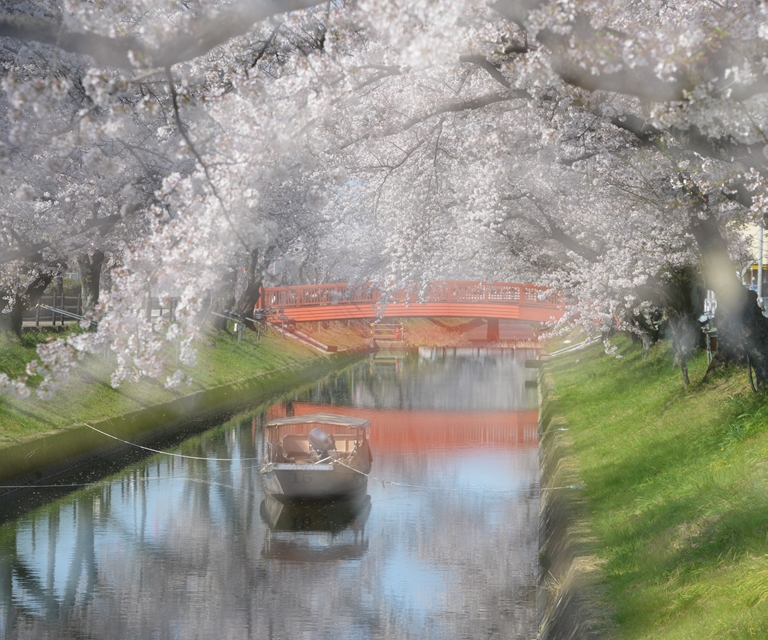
column 677, row 488
column 89, row 397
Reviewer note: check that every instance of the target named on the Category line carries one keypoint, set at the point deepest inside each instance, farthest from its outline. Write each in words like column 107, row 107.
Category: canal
column 444, row 544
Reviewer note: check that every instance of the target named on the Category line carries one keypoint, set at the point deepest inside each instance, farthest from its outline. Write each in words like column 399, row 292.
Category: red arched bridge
column 448, row 298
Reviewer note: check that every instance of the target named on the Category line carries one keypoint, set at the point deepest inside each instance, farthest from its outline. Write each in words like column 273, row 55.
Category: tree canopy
column 615, row 151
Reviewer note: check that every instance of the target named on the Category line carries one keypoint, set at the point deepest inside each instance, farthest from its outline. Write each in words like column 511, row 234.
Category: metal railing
column 54, row 309
column 387, row 331
column 57, row 309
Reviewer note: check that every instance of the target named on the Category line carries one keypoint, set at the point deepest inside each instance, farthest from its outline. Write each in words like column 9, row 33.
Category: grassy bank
column 89, row 397
column 676, row 491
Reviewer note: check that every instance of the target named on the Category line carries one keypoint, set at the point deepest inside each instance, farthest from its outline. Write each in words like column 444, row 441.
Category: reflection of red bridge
column 450, row 298
column 395, row 430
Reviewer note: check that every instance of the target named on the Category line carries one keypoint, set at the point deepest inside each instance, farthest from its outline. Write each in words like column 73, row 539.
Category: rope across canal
column 74, row 485
column 580, row 485
column 187, row 457
column 167, row 453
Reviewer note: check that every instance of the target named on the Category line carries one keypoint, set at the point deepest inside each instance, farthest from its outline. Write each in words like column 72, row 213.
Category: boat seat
column 295, row 445
column 345, row 442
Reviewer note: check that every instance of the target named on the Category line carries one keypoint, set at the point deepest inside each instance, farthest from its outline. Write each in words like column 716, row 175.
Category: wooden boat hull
column 316, row 482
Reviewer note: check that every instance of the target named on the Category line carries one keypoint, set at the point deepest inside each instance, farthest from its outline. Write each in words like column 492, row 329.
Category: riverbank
column 222, row 361
column 42, row 438
column 668, row 534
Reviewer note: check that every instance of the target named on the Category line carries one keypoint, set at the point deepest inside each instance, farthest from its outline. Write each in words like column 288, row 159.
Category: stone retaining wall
column 570, row 603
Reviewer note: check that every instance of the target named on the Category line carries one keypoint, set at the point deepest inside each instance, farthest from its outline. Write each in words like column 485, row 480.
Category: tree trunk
column 646, row 338
column 89, row 268
column 13, row 321
column 250, row 297
column 683, row 340
column 741, row 326
column 677, row 292
column 684, row 370
column 219, row 322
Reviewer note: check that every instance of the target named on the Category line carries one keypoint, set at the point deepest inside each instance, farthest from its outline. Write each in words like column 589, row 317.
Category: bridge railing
column 318, row 294
column 465, row 291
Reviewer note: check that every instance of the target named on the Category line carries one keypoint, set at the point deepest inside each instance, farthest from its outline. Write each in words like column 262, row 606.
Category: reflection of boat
column 316, row 531
column 315, row 515
column 317, row 456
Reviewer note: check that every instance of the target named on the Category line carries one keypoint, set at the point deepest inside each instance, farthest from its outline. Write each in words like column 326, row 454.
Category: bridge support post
column 493, row 330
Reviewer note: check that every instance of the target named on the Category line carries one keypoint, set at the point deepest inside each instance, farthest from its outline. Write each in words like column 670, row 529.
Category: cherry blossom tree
column 604, row 148
column 692, row 76
column 130, row 161
column 600, row 86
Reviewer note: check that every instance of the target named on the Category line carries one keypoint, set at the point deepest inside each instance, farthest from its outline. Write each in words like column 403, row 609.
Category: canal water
column 444, row 544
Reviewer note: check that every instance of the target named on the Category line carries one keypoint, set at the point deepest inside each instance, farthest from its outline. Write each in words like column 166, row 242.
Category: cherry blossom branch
column 111, row 52
column 558, row 234
column 382, row 72
column 205, row 33
column 569, row 162
column 492, row 69
column 185, row 134
column 643, row 82
column 465, row 105
column 33, row 252
column 451, row 107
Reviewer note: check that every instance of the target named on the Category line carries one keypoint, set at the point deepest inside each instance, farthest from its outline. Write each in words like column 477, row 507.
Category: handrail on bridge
column 447, row 291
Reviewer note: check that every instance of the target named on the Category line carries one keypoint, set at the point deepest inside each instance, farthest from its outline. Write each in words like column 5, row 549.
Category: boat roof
column 322, row 418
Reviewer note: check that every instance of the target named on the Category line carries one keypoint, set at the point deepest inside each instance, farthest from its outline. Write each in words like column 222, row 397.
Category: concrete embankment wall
column 570, row 603
column 45, row 457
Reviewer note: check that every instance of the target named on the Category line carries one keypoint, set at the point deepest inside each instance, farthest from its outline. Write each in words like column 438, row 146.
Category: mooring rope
column 579, row 485
column 96, row 483
column 167, row 453
column 386, row 482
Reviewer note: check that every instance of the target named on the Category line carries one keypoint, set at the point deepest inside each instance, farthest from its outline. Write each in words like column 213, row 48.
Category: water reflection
column 443, row 546
column 316, row 515
column 316, row 531
column 454, row 379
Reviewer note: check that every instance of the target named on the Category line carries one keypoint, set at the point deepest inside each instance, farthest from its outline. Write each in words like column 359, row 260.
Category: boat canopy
column 322, row 418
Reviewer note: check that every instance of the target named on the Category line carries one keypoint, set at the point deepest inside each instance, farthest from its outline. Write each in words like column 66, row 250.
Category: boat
column 319, row 456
